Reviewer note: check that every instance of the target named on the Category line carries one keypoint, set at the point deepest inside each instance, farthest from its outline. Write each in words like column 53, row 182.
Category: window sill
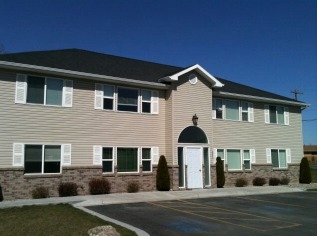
column 280, row 169
column 34, row 176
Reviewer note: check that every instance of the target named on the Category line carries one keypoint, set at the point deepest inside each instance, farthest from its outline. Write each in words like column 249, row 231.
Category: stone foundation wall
column 263, row 171
column 16, row 185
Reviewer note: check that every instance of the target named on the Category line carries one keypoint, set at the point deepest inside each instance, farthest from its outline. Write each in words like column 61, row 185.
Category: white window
column 127, row 159
column 146, row 160
column 41, row 159
column 234, row 158
column 43, row 90
column 126, row 99
column 107, row 160
column 278, row 157
column 276, row 114
column 233, row 110
column 108, row 97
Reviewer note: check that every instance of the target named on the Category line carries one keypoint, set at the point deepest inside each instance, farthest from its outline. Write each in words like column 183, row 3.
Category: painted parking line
column 275, row 202
column 226, row 216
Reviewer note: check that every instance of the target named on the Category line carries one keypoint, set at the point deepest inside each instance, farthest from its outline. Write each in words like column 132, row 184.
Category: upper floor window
column 110, row 97
column 232, row 110
column 43, row 90
column 276, row 114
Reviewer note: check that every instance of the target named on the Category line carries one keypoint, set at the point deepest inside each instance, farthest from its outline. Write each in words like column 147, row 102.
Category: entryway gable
column 211, row 79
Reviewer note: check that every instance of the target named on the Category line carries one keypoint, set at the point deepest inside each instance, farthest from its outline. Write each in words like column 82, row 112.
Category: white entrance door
column 194, row 167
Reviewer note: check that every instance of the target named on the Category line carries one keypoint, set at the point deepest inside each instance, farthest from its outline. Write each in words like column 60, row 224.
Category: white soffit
column 200, row 70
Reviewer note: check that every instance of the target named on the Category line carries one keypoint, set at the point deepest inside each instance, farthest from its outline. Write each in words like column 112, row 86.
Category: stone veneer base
column 16, row 185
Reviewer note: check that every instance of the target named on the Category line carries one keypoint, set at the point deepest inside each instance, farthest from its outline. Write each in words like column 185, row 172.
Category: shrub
column 258, row 181
column 40, row 192
column 162, row 175
column 304, row 172
column 284, row 181
column 67, row 189
column 99, row 186
column 241, row 182
column 133, row 187
column 274, row 181
column 220, row 173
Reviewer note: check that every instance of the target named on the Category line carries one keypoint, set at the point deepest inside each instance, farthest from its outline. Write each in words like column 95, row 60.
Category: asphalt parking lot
column 273, row 214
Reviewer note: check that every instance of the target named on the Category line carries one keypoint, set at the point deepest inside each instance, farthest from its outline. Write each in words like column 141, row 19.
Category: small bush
column 67, row 189
column 284, row 181
column 220, row 173
column 274, row 181
column 258, row 181
column 133, row 187
column 99, row 186
column 241, row 182
column 40, row 192
column 162, row 175
column 304, row 172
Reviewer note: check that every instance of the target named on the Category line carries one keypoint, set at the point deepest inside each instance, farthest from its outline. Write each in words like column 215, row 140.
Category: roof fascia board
column 197, row 67
column 260, row 99
column 82, row 75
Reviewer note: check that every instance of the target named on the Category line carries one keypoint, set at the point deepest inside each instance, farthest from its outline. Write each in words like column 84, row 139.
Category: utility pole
column 296, row 92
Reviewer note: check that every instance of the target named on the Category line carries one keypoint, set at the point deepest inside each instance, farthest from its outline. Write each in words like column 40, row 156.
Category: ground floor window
column 236, row 159
column 127, row 159
column 107, row 159
column 278, row 158
column 146, row 160
column 39, row 159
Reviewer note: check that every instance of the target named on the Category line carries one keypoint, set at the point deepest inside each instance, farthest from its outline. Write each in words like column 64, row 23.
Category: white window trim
column 250, row 110
column 112, row 160
column 138, row 102
column 65, row 151
column 99, row 99
column 22, row 85
column 267, row 115
column 225, row 160
column 151, row 158
column 287, row 154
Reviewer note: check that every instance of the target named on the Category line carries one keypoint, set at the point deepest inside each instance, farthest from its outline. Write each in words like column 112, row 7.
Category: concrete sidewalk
column 118, row 198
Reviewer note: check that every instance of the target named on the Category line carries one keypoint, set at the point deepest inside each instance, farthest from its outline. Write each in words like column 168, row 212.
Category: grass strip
column 61, row 219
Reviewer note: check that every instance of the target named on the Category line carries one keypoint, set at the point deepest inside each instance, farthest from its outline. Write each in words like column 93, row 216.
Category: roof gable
column 174, row 77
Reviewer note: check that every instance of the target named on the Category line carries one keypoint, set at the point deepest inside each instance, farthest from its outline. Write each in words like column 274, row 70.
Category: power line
column 310, row 120
column 296, row 92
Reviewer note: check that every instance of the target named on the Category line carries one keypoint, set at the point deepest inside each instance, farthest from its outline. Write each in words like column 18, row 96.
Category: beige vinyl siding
column 169, row 141
column 190, row 100
column 81, row 125
column 258, row 135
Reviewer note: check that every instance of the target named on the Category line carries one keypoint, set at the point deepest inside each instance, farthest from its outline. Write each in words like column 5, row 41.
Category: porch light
column 195, row 119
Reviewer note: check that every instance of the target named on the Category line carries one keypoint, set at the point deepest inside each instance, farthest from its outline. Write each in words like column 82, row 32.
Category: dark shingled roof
column 95, row 63
column 232, row 87
column 103, row 64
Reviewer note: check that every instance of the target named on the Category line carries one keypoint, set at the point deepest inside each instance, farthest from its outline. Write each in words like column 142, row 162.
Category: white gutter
column 261, row 99
column 83, row 75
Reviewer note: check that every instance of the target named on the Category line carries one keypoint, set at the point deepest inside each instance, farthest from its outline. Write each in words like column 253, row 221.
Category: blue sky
column 271, row 45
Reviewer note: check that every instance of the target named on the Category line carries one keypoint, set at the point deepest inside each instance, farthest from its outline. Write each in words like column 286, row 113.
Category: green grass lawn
column 62, row 219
